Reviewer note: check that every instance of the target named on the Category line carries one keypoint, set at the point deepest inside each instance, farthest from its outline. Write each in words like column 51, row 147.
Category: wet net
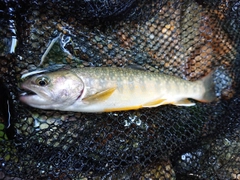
column 183, row 38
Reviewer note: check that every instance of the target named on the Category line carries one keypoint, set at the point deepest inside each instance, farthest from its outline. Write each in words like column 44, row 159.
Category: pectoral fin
column 183, row 102
column 155, row 103
column 100, row 96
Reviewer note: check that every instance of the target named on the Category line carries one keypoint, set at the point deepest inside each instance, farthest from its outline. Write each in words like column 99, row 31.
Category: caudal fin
column 208, row 82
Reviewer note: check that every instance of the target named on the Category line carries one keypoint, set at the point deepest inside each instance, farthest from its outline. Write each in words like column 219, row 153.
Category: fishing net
column 183, row 38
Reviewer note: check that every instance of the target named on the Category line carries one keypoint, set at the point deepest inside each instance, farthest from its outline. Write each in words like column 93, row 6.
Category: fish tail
column 209, row 94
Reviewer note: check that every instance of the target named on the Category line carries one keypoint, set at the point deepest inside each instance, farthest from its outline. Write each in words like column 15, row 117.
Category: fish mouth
column 26, row 92
column 30, row 97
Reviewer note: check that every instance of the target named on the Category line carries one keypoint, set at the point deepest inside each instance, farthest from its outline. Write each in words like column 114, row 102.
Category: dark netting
column 183, row 38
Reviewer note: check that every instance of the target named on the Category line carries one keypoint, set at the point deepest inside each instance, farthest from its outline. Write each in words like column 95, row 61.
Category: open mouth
column 23, row 91
column 27, row 93
column 27, row 96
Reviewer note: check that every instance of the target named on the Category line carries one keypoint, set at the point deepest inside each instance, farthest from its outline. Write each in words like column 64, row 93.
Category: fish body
column 106, row 89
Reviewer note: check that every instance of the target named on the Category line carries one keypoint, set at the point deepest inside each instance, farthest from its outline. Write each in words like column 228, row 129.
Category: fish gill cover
column 183, row 38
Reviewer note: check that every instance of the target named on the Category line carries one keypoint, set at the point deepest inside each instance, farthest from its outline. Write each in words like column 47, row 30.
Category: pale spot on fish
column 64, row 93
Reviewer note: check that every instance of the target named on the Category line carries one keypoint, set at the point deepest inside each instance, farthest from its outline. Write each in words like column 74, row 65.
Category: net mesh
column 183, row 38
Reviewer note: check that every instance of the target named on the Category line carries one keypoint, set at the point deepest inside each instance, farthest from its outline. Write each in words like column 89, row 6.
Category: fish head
column 54, row 90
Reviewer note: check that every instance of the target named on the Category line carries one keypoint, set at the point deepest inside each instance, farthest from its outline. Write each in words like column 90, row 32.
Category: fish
column 109, row 89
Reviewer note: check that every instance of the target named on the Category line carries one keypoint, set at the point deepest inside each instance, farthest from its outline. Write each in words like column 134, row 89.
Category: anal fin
column 100, row 96
column 154, row 103
column 158, row 102
column 183, row 102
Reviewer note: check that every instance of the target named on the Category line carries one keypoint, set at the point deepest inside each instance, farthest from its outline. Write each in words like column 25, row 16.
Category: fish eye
column 42, row 81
